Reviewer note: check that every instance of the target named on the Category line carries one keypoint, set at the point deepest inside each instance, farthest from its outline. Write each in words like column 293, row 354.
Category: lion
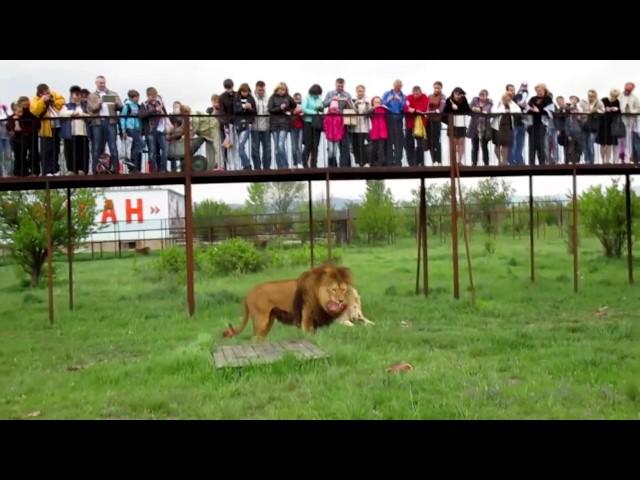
column 314, row 300
column 353, row 313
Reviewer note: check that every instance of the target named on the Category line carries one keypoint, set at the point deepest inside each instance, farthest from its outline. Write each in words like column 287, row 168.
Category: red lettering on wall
column 108, row 211
column 134, row 211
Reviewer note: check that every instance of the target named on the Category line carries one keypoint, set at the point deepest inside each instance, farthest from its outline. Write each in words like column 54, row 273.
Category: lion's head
column 333, row 288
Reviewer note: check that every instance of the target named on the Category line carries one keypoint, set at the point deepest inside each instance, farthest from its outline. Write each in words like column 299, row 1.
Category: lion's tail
column 231, row 331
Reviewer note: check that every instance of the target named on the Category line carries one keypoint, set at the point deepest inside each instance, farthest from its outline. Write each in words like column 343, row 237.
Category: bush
column 604, row 215
column 234, row 256
column 302, row 256
column 238, row 256
column 172, row 260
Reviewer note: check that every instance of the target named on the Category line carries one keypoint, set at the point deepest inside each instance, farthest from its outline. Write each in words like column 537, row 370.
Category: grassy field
column 130, row 351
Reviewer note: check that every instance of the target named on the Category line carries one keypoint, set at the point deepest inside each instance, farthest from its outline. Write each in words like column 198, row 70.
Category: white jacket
column 500, row 108
column 632, row 101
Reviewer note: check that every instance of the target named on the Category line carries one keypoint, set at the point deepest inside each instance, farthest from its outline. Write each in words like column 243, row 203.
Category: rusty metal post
column 419, row 233
column 627, row 193
column 575, row 234
column 188, row 215
column 328, row 219
column 531, row 251
column 454, row 214
column 70, row 248
column 424, row 232
column 49, row 252
column 466, row 235
column 311, row 240
column 561, row 222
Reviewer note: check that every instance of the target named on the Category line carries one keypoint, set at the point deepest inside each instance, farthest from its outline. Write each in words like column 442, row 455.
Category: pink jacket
column 333, row 124
column 379, row 124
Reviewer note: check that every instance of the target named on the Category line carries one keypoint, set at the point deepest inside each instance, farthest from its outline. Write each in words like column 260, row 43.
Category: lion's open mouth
column 335, row 307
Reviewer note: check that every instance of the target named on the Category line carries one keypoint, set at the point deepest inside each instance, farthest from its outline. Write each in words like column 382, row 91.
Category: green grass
column 129, row 350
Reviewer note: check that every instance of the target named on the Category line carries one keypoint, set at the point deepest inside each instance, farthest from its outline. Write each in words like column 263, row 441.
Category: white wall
column 156, row 211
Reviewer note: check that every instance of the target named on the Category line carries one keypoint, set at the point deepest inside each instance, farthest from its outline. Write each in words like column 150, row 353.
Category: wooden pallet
column 267, row 352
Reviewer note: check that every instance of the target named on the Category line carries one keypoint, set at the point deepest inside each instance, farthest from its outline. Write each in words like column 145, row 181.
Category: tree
column 483, row 201
column 604, row 215
column 319, row 208
column 206, row 211
column 377, row 218
column 257, row 201
column 208, row 214
column 282, row 196
column 438, row 197
column 23, row 225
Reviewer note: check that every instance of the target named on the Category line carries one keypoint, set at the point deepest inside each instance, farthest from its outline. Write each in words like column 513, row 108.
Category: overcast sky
column 193, row 82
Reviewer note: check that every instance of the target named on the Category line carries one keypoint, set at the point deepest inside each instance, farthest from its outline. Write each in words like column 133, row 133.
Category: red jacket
column 421, row 104
column 378, row 124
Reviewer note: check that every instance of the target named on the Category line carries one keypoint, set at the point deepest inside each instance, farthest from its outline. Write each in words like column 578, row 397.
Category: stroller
column 176, row 155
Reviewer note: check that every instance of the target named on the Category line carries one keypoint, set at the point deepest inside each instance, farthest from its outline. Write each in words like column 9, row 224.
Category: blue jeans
column 296, row 146
column 104, row 134
column 517, row 145
column 635, row 140
column 588, row 138
column 332, row 153
column 280, row 139
column 156, row 141
column 136, row 147
column 345, row 149
column 551, row 145
column 258, row 138
column 5, row 157
column 243, row 138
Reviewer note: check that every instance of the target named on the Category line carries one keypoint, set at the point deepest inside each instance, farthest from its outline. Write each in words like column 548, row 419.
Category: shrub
column 234, row 256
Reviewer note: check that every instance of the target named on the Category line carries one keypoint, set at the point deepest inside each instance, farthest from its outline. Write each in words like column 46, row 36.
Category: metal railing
column 83, row 145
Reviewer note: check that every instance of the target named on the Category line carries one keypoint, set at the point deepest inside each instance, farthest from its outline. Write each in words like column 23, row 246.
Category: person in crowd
column 538, row 130
column 104, row 103
column 73, row 131
column 394, row 100
column 360, row 133
column 520, row 125
column 503, row 126
column 23, row 128
column 378, row 133
column 281, row 105
column 594, row 107
column 297, row 126
column 312, row 109
column 46, row 105
column 416, row 106
column 605, row 137
column 154, row 116
column 333, row 126
column 479, row 130
column 629, row 145
column 5, row 143
column 131, row 127
column 260, row 133
column 245, row 112
column 456, row 109
column 437, row 102
column 345, row 102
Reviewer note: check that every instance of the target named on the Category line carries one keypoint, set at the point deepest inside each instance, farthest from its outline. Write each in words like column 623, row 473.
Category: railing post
column 627, row 192
column 188, row 215
column 49, row 252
